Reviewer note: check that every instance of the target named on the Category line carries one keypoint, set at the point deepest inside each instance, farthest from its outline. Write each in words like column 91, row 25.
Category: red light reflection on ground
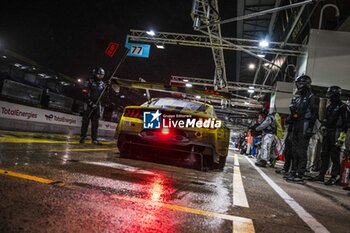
column 155, row 217
column 156, row 190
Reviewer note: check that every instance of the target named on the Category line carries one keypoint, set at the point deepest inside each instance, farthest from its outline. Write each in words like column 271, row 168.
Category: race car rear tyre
column 207, row 163
column 222, row 162
column 123, row 153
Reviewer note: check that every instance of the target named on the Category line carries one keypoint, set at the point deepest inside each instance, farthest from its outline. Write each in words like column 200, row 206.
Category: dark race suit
column 335, row 123
column 305, row 115
column 95, row 88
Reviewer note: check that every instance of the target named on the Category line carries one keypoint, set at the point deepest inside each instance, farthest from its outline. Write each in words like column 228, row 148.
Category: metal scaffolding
column 163, row 38
column 205, row 12
column 260, row 13
column 231, row 86
column 207, row 21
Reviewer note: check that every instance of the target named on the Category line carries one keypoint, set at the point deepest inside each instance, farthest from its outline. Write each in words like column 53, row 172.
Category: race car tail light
column 132, row 112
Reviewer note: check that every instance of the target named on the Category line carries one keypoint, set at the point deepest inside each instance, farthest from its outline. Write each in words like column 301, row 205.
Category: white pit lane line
column 239, row 195
column 298, row 209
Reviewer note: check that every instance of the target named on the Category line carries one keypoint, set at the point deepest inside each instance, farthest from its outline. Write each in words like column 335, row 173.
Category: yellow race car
column 181, row 130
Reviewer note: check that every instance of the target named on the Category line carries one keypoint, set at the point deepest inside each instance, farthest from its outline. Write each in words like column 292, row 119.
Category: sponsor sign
column 151, row 120
column 111, row 49
column 156, row 120
column 25, row 113
column 58, row 118
column 137, row 50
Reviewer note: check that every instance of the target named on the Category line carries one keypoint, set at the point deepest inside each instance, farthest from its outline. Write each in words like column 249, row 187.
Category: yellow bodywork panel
column 217, row 138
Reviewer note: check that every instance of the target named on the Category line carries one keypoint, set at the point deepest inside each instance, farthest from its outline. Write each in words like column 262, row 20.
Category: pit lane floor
column 53, row 184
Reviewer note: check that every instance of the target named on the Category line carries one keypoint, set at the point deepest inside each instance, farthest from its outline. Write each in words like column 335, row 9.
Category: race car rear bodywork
column 202, row 147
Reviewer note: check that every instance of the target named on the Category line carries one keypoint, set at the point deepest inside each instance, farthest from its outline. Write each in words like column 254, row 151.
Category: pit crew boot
column 261, row 163
column 82, row 140
column 296, row 179
column 320, row 177
column 287, row 175
column 331, row 181
column 96, row 142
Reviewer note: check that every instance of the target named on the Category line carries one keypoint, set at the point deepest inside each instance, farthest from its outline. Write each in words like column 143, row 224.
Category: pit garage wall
column 24, row 118
column 301, row 65
column 281, row 97
column 328, row 61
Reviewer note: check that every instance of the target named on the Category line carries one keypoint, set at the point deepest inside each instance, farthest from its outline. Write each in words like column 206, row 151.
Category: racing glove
column 91, row 104
column 293, row 112
column 341, row 139
column 308, row 133
column 323, row 130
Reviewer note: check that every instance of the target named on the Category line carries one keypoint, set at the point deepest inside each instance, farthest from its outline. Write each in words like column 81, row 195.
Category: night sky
column 70, row 36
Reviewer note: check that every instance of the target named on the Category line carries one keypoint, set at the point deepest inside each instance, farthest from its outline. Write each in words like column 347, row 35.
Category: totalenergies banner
column 25, row 113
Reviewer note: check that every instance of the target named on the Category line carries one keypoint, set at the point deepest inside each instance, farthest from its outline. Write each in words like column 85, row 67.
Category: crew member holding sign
column 92, row 109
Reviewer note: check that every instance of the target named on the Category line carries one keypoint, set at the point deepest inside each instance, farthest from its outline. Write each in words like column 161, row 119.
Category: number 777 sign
column 138, row 50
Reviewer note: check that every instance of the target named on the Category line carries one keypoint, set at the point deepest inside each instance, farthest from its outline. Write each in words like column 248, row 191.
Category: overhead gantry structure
column 206, row 20
column 205, row 12
column 170, row 38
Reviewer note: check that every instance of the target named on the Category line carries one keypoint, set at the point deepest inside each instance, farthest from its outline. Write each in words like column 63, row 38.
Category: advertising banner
column 26, row 113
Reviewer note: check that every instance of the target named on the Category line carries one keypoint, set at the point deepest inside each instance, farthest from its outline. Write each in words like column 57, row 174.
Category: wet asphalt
column 93, row 190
